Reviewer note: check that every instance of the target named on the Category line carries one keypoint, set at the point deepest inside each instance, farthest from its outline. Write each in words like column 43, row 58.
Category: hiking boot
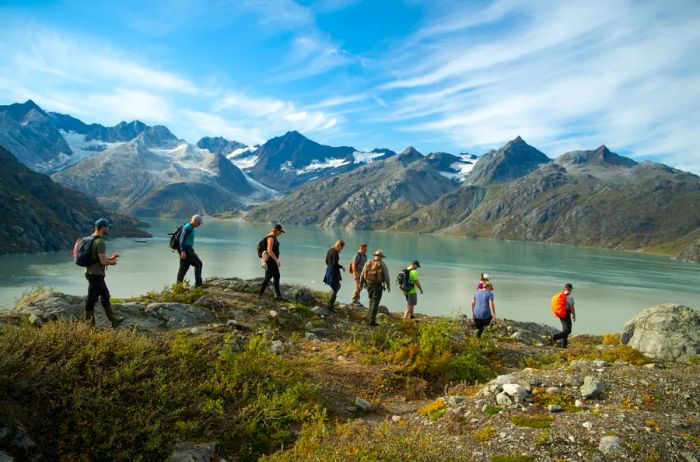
column 373, row 324
column 90, row 318
column 280, row 298
column 113, row 318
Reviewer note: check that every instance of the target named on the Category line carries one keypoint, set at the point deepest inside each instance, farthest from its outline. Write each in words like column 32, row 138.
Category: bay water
column 610, row 287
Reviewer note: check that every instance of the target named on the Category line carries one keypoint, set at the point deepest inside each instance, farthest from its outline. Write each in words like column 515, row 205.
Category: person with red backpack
column 563, row 308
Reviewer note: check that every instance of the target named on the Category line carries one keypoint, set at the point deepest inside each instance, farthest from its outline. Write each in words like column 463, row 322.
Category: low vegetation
column 119, row 395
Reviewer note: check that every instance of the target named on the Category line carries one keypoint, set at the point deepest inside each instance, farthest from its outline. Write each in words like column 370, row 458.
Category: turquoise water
column 609, row 287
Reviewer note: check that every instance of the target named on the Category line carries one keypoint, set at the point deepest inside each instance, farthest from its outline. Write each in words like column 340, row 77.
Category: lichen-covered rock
column 51, row 306
column 610, row 445
column 193, row 452
column 667, row 331
column 591, row 387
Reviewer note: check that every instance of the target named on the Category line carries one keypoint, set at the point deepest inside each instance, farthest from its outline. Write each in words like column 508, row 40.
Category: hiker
column 413, row 285
column 95, row 275
column 333, row 268
column 375, row 277
column 483, row 308
column 271, row 257
column 482, row 280
column 356, row 267
column 563, row 308
column 188, row 257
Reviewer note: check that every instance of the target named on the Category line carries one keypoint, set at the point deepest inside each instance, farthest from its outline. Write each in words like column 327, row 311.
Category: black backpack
column 175, row 239
column 403, row 280
column 82, row 252
column 262, row 246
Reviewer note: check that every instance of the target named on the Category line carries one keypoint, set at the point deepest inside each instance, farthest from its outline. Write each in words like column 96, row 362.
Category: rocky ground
column 597, row 400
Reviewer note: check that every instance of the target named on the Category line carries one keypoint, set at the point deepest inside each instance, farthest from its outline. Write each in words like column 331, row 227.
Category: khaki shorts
column 412, row 299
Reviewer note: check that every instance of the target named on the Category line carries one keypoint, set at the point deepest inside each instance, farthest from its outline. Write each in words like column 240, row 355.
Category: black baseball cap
column 416, row 262
column 278, row 227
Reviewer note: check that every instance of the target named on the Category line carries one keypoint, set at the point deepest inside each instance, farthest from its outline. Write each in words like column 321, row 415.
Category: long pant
column 357, row 291
column 481, row 324
column 272, row 271
column 97, row 289
column 191, row 259
column 566, row 330
column 334, row 295
column 374, row 290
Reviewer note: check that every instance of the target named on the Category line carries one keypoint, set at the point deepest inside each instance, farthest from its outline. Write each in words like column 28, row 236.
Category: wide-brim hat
column 379, row 253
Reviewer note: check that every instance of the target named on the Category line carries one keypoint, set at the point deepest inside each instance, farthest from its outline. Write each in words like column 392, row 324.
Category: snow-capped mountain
column 286, row 162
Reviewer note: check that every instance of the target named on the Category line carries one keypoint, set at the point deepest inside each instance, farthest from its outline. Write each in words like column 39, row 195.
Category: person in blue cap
column 95, row 275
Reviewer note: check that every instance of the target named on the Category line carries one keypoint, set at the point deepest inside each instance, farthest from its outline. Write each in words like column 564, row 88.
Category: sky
column 440, row 75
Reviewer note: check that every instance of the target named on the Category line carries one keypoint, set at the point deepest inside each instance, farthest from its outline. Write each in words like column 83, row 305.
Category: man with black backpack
column 188, row 257
column 95, row 247
column 269, row 251
column 375, row 276
column 409, row 284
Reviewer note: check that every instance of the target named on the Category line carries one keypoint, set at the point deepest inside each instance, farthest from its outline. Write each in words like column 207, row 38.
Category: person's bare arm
column 419, row 286
column 492, row 306
column 270, row 253
column 473, row 305
column 573, row 312
column 108, row 261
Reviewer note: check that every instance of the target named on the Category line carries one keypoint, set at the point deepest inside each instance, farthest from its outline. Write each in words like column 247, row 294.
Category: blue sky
column 455, row 76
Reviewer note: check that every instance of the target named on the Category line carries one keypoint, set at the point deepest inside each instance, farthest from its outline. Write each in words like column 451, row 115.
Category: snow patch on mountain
column 316, row 165
column 460, row 170
column 366, row 157
column 245, row 163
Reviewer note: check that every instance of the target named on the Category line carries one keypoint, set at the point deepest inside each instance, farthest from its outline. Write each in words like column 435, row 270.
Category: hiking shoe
column 280, row 298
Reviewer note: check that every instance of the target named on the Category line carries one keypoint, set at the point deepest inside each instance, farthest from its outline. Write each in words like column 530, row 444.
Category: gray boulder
column 5, row 457
column 193, row 452
column 51, row 306
column 591, row 387
column 610, row 445
column 179, row 315
column 668, row 331
column 363, row 404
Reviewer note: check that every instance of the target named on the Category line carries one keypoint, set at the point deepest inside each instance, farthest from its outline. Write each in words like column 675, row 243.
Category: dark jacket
column 333, row 267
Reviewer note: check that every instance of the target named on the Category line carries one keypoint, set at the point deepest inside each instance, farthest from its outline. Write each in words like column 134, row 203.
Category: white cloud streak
column 560, row 74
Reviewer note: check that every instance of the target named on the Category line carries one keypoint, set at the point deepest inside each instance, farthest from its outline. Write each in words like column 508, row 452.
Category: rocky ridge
column 40, row 215
column 608, row 402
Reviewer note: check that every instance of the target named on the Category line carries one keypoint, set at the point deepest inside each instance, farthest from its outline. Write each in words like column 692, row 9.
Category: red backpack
column 559, row 305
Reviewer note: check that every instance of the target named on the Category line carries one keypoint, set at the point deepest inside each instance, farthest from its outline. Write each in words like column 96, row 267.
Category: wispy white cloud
column 561, row 74
column 102, row 84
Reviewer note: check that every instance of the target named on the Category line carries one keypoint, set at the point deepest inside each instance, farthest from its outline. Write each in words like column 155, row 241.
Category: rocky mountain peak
column 19, row 111
column 599, row 158
column 219, row 144
column 514, row 160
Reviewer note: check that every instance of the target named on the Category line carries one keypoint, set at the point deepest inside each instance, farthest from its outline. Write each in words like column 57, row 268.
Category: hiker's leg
column 184, row 266
column 197, row 263
column 331, row 300
column 92, row 296
column 268, row 277
column 479, row 324
column 375, row 295
column 356, row 292
column 566, row 330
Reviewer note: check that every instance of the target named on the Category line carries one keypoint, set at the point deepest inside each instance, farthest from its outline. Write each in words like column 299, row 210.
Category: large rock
column 193, row 452
column 51, row 306
column 297, row 294
column 668, row 331
column 592, row 387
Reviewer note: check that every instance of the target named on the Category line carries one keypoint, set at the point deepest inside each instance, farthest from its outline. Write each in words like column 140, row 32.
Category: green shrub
column 116, row 395
column 176, row 293
column 534, row 421
column 437, row 351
